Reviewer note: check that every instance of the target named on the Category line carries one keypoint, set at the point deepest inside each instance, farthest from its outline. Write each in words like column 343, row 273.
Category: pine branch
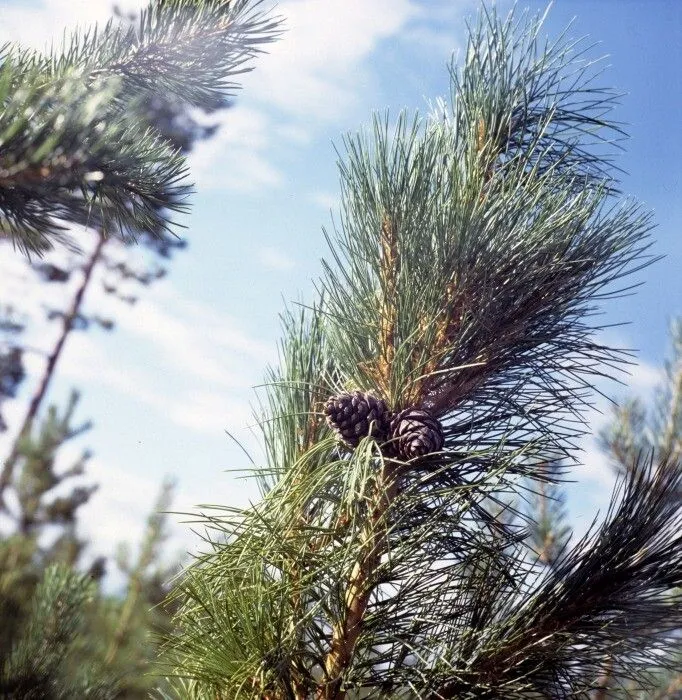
column 517, row 98
column 38, row 451
column 67, row 158
column 618, row 588
column 506, row 281
column 360, row 586
column 73, row 149
column 189, row 48
column 670, row 400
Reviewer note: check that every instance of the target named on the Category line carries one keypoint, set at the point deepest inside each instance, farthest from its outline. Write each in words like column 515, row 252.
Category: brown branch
column 291, row 566
column 48, row 372
column 388, row 275
column 447, row 324
column 480, row 135
column 60, row 169
column 361, row 584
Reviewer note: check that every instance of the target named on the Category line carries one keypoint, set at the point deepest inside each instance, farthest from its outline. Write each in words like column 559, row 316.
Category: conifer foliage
column 74, row 149
column 445, row 365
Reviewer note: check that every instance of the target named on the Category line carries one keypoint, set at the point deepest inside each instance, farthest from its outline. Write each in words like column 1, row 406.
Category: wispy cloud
column 307, row 80
column 326, row 200
column 314, row 71
column 202, row 366
column 194, row 339
column 274, row 259
column 237, row 157
column 433, row 29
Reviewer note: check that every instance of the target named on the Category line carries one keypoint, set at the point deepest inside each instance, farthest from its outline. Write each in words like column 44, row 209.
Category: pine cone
column 415, row 433
column 355, row 415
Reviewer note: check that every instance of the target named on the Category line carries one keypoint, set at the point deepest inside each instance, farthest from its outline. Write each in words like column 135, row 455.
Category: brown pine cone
column 355, row 415
column 415, row 433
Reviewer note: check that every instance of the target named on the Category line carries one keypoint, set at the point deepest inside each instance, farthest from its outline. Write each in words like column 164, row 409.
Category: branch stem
column 361, row 584
column 52, row 359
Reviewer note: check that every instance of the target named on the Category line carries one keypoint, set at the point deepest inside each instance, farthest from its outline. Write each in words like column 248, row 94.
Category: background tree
column 447, row 364
column 43, row 536
column 114, row 639
column 141, row 620
column 94, row 137
column 636, row 428
column 74, row 148
column 547, row 519
column 43, row 661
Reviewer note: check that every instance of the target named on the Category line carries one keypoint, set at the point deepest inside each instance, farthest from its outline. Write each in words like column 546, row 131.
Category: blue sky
column 179, row 369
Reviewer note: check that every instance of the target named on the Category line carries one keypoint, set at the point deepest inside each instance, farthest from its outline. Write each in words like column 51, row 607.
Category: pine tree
column 114, row 641
column 43, row 515
column 447, row 364
column 635, row 428
column 140, row 618
column 43, row 661
column 547, row 518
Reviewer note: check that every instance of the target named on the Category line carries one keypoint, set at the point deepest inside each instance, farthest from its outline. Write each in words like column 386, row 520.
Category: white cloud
column 326, row 200
column 314, row 71
column 194, row 338
column 237, row 156
column 202, row 370
column 202, row 364
column 274, row 259
column 308, row 78
column 594, row 467
column 439, row 28
column 644, row 377
column 208, row 412
column 292, row 133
